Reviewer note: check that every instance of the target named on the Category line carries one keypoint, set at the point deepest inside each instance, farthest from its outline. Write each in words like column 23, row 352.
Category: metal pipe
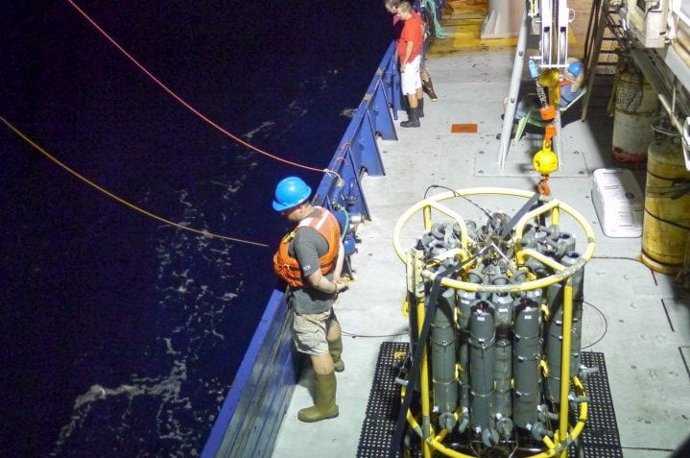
column 671, row 113
column 513, row 92
column 565, row 363
column 423, row 361
column 578, row 299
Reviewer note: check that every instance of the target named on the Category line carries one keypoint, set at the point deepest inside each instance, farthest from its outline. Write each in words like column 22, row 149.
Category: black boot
column 428, row 87
column 413, row 118
column 420, row 107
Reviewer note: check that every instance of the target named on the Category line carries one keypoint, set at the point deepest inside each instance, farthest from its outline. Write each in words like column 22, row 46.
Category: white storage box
column 618, row 201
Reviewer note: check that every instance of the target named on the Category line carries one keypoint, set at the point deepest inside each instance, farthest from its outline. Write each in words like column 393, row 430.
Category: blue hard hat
column 575, row 69
column 290, row 192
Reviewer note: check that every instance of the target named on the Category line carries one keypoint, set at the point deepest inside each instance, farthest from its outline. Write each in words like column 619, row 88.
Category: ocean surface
column 121, row 335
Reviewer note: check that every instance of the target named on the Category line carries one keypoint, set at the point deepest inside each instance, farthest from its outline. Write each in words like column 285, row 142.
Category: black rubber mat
column 599, row 439
column 384, row 402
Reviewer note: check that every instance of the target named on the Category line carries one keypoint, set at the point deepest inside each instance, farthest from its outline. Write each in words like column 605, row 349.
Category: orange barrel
column 636, row 107
column 666, row 223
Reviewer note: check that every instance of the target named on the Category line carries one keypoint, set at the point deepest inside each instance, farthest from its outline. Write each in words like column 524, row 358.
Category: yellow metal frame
column 551, row 205
column 564, row 436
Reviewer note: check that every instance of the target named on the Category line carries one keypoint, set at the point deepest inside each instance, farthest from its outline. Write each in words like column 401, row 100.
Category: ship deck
column 634, row 316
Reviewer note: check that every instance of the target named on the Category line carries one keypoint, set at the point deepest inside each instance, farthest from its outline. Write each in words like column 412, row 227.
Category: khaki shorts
column 309, row 332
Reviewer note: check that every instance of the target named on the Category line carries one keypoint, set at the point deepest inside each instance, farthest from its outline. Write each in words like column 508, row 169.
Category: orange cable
column 119, row 199
column 182, row 101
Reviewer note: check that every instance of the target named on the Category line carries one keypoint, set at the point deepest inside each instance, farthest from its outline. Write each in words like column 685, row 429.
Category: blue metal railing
column 253, row 410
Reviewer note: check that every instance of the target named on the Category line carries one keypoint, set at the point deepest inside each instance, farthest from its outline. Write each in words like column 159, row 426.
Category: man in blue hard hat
column 571, row 85
column 570, row 88
column 309, row 259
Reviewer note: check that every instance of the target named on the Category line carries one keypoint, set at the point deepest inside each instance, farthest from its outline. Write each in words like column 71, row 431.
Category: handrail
column 358, row 150
column 250, row 417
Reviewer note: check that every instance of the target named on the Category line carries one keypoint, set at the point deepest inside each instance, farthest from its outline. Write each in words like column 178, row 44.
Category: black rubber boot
column 335, row 348
column 420, row 107
column 325, row 406
column 413, row 118
column 428, row 87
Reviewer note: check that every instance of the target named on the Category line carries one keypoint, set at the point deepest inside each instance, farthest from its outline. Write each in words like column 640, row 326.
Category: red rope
column 124, row 202
column 181, row 100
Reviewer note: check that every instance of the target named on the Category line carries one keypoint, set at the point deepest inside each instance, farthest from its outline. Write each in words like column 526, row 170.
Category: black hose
column 396, row 443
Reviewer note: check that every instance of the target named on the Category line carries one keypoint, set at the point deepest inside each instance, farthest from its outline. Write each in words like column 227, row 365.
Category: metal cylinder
column 464, row 363
column 569, row 240
column 443, row 359
column 526, row 357
column 503, row 306
column 636, row 107
column 482, row 360
column 535, row 296
column 666, row 223
column 465, row 301
column 503, row 375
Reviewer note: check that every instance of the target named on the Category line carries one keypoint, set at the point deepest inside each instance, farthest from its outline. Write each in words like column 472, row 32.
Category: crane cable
column 121, row 200
column 188, row 105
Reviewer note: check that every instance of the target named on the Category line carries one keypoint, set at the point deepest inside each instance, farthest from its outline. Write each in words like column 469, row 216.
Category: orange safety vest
column 288, row 268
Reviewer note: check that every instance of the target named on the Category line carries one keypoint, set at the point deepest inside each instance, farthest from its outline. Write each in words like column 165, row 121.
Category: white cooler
column 618, row 201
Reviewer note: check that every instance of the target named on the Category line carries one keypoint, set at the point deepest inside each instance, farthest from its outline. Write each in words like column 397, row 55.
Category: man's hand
column 339, row 287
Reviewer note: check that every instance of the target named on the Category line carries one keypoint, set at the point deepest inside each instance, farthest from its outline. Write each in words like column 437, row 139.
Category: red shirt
column 412, row 31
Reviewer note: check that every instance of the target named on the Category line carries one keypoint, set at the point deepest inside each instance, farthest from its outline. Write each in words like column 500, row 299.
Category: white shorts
column 410, row 80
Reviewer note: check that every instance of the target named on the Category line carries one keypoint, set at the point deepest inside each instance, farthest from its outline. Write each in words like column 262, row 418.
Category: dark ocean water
column 121, row 335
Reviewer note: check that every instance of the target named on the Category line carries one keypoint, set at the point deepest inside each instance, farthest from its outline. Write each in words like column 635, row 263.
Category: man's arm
column 307, row 255
column 323, row 284
column 339, row 262
column 577, row 84
column 408, row 53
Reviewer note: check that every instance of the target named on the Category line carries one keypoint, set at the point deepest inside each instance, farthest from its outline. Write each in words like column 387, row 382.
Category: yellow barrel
column 666, row 225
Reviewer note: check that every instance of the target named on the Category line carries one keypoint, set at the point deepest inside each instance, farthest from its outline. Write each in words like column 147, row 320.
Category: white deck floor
column 640, row 323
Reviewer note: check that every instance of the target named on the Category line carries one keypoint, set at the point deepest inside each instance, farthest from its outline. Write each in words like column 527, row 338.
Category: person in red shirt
column 409, row 47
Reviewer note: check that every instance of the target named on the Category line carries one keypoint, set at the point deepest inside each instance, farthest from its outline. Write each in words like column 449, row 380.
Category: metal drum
column 636, row 108
column 666, row 223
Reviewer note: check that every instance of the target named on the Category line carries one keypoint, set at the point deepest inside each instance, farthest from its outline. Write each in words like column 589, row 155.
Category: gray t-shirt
column 307, row 246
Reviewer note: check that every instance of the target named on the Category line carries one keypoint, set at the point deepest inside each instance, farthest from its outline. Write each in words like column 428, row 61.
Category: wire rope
column 122, row 201
column 356, row 335
column 186, row 104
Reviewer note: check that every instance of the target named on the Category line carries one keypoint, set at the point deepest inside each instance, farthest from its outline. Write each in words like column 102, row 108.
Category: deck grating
column 383, row 405
column 599, row 439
